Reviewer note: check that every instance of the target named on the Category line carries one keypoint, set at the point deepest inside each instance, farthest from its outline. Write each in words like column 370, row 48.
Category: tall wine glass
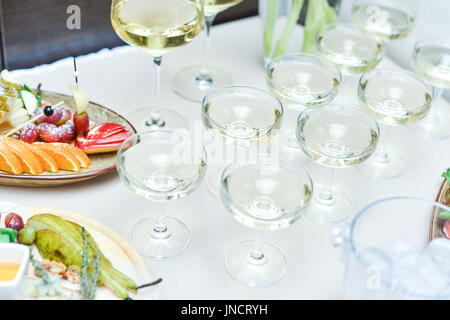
column 242, row 117
column 255, row 195
column 431, row 60
column 300, row 81
column 385, row 20
column 157, row 27
column 161, row 165
column 335, row 136
column 194, row 82
column 348, row 49
column 393, row 97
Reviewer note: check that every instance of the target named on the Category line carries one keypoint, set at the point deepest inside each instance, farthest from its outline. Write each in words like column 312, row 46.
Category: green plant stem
column 318, row 15
column 272, row 10
column 292, row 21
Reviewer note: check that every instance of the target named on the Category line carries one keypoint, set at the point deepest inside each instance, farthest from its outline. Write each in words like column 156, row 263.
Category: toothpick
column 59, row 104
column 75, row 72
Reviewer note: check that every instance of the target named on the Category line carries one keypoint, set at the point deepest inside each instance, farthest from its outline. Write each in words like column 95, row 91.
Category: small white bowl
column 16, row 253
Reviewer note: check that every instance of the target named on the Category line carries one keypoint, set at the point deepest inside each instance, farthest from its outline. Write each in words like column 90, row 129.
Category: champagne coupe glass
column 255, row 195
column 161, row 165
column 242, row 117
column 335, row 136
column 300, row 81
column 431, row 60
column 348, row 49
column 157, row 27
column 393, row 97
column 385, row 20
column 194, row 82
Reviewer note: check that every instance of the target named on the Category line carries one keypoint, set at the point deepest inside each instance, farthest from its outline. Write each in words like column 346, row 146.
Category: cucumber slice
column 29, row 100
column 8, row 79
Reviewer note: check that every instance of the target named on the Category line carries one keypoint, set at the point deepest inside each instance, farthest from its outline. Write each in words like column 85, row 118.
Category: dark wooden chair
column 35, row 32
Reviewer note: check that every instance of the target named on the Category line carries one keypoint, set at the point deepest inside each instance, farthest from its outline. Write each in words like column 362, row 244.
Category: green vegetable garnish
column 89, row 279
column 446, row 175
column 27, row 88
column 444, row 215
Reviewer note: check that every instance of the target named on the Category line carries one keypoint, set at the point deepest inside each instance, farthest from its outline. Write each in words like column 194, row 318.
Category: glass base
column 191, row 84
column 328, row 210
column 255, row 268
column 165, row 243
column 383, row 166
column 292, row 151
column 169, row 120
column 434, row 127
column 213, row 182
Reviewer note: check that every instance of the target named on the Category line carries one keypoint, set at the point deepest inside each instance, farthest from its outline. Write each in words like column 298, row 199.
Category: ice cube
column 418, row 277
column 398, row 250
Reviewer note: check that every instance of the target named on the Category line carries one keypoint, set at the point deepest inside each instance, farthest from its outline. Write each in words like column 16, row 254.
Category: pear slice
column 9, row 80
column 80, row 99
column 19, row 117
column 29, row 100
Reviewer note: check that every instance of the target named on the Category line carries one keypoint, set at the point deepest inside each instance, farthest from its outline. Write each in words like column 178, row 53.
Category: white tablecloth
column 121, row 79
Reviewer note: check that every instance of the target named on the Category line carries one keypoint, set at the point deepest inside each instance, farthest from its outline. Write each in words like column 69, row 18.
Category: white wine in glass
column 255, row 194
column 382, row 19
column 349, row 50
column 394, row 97
column 335, row 136
column 300, row 81
column 194, row 82
column 157, row 27
column 431, row 60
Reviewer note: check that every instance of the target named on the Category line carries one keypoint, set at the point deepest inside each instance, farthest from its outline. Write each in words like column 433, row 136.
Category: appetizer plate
column 100, row 163
column 118, row 250
column 437, row 224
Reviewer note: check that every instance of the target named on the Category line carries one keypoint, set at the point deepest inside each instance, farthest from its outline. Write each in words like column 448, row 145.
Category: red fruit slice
column 104, row 130
column 447, row 229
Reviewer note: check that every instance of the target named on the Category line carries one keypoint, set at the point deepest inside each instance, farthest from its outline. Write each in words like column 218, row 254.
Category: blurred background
column 29, row 35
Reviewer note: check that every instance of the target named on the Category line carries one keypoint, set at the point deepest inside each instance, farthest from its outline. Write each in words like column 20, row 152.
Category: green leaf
column 444, row 215
column 27, row 88
column 446, row 175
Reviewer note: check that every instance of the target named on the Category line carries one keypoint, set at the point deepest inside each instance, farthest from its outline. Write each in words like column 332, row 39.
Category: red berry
column 14, row 221
column 67, row 133
column 29, row 133
column 49, row 132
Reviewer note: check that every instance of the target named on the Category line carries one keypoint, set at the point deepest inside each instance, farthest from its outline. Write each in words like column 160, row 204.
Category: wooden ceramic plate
column 100, row 163
column 118, row 250
column 436, row 224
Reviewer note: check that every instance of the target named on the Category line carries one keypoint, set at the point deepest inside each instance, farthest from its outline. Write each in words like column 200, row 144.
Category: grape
column 49, row 132
column 66, row 116
column 14, row 221
column 54, row 118
column 67, row 133
column 27, row 235
column 29, row 133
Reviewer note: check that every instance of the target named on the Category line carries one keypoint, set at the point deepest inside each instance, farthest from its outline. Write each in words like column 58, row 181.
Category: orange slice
column 64, row 158
column 9, row 162
column 30, row 162
column 49, row 163
column 76, row 152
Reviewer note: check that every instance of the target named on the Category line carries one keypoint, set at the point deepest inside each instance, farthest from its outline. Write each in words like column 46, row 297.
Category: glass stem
column 326, row 196
column 256, row 255
column 203, row 79
column 155, row 113
column 381, row 154
column 432, row 117
column 160, row 230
